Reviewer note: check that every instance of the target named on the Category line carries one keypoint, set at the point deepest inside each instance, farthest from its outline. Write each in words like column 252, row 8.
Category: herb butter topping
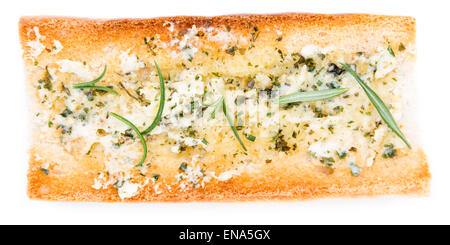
column 310, row 102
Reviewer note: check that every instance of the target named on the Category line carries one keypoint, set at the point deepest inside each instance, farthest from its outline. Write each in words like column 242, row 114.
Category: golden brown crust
column 86, row 39
column 405, row 175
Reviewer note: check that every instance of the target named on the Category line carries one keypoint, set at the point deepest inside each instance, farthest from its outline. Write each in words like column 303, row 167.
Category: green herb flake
column 232, row 50
column 183, row 166
column 156, row 177
column 66, row 112
column 46, row 83
column 118, row 184
column 309, row 62
column 280, row 143
column 342, row 154
column 401, row 47
column 251, row 137
column 44, row 170
column 389, row 49
column 355, row 170
column 389, row 151
column 333, row 85
column 328, row 160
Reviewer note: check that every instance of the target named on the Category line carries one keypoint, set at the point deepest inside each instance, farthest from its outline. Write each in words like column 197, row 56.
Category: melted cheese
column 128, row 190
column 76, row 67
column 129, row 62
column 36, row 47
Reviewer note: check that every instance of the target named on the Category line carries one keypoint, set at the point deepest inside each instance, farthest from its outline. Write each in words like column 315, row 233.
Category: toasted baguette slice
column 334, row 147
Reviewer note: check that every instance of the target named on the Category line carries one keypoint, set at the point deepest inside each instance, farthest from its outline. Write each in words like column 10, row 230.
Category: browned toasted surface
column 287, row 176
column 352, row 32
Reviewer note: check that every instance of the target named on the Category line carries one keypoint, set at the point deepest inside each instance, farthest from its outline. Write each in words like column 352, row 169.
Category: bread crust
column 86, row 39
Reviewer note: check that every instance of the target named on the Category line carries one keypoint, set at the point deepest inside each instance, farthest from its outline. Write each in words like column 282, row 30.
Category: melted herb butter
column 187, row 126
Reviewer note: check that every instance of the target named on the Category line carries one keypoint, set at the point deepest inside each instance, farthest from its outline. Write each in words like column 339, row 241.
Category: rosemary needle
column 310, row 95
column 224, row 108
column 101, row 88
column 384, row 112
column 161, row 103
column 91, row 84
column 216, row 106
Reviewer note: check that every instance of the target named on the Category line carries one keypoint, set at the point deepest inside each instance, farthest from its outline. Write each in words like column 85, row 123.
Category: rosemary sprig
column 91, row 84
column 224, row 108
column 136, row 130
column 161, row 103
column 128, row 92
column 384, row 112
column 310, row 95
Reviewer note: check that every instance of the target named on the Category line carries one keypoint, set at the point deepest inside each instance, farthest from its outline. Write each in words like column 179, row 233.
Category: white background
column 433, row 83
